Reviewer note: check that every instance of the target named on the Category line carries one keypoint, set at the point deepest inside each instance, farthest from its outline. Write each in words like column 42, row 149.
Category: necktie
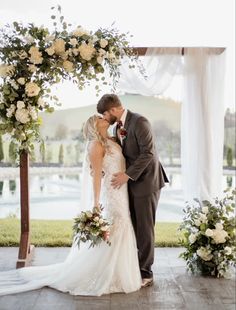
column 119, row 124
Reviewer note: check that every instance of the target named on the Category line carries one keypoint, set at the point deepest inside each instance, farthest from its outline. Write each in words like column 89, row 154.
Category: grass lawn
column 54, row 233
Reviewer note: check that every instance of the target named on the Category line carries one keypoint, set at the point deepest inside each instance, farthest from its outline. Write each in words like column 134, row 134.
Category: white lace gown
column 96, row 271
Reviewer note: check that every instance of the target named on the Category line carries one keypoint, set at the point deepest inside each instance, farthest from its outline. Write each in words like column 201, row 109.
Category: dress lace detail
column 95, row 271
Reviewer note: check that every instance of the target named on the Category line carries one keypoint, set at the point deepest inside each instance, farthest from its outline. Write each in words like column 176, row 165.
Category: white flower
column 219, row 235
column 32, row 68
column 68, row 65
column 36, row 55
column 80, row 32
column 205, row 210
column 197, row 222
column 33, row 112
column 64, row 55
column 32, row 89
column 86, row 51
column 209, row 232
column 22, row 116
column 73, row 42
column 50, row 50
column 14, row 84
column 103, row 43
column 101, row 221
column 203, row 218
column 22, row 54
column 6, row 70
column 204, row 253
column 11, row 110
column 96, row 219
column 21, row 81
column 104, row 228
column 20, row 104
column 41, row 103
column 99, row 60
column 219, row 226
column 192, row 238
column 59, row 46
column 227, row 250
column 75, row 51
column 29, row 39
column 89, row 214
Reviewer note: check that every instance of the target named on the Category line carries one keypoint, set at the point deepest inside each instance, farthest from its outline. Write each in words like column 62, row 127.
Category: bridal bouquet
column 92, row 227
column 209, row 236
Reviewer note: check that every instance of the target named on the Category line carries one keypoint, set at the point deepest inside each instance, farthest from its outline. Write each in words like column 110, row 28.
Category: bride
column 102, row 269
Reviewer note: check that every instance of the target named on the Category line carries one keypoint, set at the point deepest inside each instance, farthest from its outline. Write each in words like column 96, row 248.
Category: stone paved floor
column 174, row 288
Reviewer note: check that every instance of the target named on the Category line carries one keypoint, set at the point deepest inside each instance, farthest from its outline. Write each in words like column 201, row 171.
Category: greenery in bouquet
column 209, row 236
column 33, row 58
column 90, row 226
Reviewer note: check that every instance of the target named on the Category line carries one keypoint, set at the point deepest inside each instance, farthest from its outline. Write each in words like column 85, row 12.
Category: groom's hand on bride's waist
column 119, row 179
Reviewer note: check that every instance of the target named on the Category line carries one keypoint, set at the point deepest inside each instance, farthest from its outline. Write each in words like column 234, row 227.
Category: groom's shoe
column 147, row 282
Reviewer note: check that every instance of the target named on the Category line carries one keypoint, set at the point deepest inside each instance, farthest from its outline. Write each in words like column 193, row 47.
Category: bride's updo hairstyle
column 91, row 132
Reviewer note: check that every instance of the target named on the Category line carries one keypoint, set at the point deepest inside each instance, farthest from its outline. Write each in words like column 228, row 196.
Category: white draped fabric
column 202, row 123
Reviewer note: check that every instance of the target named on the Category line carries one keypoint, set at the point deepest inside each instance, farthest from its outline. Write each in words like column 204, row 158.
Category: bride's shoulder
column 95, row 147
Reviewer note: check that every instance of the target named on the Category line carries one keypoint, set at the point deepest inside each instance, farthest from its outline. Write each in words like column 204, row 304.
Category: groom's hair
column 107, row 102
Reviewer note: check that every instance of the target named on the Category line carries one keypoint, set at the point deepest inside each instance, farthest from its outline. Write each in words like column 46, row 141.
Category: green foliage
column 1, row 149
column 12, row 152
column 229, row 157
column 61, row 154
column 209, row 236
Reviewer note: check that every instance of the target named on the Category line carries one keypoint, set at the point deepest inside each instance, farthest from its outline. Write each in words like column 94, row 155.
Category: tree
column 49, row 154
column 61, row 154
column 42, row 150
column 229, row 157
column 12, row 152
column 1, row 149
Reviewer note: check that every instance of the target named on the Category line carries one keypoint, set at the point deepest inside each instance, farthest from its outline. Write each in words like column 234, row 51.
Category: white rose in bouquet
column 99, row 60
column 22, row 115
column 41, row 103
column 219, row 226
column 21, row 81
column 50, row 50
column 14, row 84
column 59, row 46
column 205, row 210
column 204, row 253
column 103, row 43
column 22, row 54
column 29, row 39
column 197, row 222
column 11, row 110
column 192, row 238
column 209, row 232
column 219, row 235
column 35, row 55
column 73, row 42
column 20, row 104
column 32, row 68
column 33, row 112
column 6, row 70
column 228, row 250
column 86, row 51
column 49, row 38
column 32, row 89
column 68, row 65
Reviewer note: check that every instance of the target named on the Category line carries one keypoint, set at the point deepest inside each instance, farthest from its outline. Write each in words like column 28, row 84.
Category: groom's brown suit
column 148, row 177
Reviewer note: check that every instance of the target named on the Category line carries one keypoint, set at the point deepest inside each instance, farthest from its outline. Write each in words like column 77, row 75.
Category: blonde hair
column 90, row 131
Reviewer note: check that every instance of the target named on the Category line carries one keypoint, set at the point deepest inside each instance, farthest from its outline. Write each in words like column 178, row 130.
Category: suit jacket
column 142, row 163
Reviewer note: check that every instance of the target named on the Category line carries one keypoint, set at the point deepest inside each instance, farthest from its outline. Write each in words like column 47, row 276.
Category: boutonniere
column 123, row 133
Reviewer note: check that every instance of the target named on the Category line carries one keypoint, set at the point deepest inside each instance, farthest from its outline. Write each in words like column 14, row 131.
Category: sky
column 151, row 22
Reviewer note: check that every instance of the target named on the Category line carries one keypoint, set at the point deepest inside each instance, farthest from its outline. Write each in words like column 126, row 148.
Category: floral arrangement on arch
column 33, row 58
column 209, row 236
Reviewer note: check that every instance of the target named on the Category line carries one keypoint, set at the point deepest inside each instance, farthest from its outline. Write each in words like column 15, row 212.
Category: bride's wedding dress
column 102, row 269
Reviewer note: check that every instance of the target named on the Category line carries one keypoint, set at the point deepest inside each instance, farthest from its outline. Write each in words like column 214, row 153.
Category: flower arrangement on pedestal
column 33, row 58
column 209, row 236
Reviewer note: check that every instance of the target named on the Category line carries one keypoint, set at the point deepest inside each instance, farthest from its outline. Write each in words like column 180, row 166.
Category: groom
column 144, row 174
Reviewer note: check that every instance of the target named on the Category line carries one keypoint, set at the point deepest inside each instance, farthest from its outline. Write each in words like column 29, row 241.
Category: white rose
column 73, row 42
column 33, row 112
column 49, row 38
column 32, row 68
column 32, row 89
column 96, row 219
column 103, row 43
column 21, row 81
column 99, row 60
column 22, row 54
column 75, row 51
column 20, row 104
column 205, row 210
column 68, row 65
column 204, row 253
column 86, row 51
column 36, row 55
column 219, row 235
column 101, row 221
column 227, row 250
column 22, row 116
column 59, row 46
column 219, row 226
column 80, row 32
column 203, row 218
column 6, row 70
column 14, row 84
column 192, row 238
column 197, row 222
column 50, row 50
column 64, row 55
column 41, row 103
column 209, row 232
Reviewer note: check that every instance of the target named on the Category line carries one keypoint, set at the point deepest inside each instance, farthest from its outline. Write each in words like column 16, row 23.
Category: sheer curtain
column 202, row 121
column 160, row 64
column 202, row 132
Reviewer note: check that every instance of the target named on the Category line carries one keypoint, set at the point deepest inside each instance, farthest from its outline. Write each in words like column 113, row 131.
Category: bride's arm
column 96, row 154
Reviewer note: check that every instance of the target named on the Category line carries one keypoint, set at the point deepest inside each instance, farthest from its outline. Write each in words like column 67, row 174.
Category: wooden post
column 25, row 249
